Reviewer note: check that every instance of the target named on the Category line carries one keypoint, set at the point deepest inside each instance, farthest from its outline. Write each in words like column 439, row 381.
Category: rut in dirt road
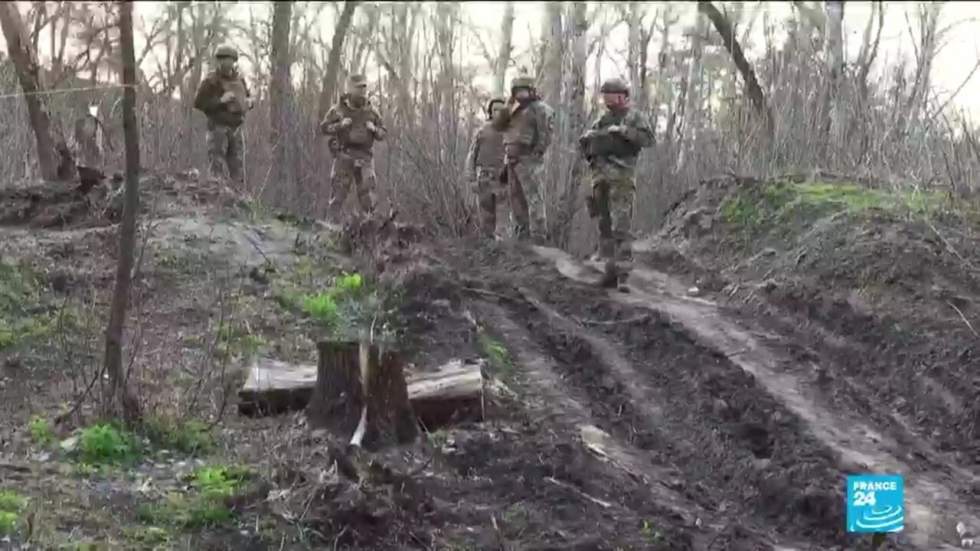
column 931, row 503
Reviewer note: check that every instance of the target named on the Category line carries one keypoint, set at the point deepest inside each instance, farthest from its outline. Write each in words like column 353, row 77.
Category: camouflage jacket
column 356, row 138
column 528, row 128
column 486, row 151
column 612, row 151
column 208, row 99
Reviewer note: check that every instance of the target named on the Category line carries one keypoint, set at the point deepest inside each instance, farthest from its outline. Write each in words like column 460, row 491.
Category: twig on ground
column 962, row 317
column 627, row 321
column 597, row 501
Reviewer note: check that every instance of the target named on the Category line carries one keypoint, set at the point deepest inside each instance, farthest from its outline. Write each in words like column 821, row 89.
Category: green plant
column 106, row 444
column 220, row 481
column 212, row 487
column 11, row 504
column 189, row 437
column 496, row 353
column 322, row 308
column 41, row 432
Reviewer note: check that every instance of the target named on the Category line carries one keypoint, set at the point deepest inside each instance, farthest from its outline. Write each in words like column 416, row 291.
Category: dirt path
column 932, row 506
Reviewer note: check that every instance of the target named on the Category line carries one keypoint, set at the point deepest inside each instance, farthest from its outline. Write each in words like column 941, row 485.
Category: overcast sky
column 950, row 69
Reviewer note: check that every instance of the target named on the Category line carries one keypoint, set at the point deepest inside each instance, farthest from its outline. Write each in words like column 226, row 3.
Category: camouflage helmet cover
column 226, row 50
column 523, row 81
column 614, row 86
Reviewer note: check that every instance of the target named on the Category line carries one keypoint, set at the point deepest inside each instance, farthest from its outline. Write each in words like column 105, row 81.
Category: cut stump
column 361, row 394
column 451, row 393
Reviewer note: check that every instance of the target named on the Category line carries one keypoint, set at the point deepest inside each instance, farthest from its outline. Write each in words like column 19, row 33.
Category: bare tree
column 752, row 88
column 280, row 93
column 26, row 63
column 506, row 46
column 692, row 94
column 328, row 90
column 120, row 391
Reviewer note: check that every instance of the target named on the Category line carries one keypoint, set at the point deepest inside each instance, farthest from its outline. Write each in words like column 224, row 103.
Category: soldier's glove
column 371, row 127
column 346, row 122
column 227, row 96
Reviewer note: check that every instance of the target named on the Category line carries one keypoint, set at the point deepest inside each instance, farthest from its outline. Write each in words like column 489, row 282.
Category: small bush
column 41, row 432
column 106, row 444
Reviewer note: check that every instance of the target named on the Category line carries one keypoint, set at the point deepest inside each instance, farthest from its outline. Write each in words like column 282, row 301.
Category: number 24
column 864, row 498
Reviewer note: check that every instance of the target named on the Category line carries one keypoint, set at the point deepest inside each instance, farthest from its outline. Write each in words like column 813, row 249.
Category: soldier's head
column 615, row 93
column 227, row 57
column 357, row 89
column 495, row 107
column 522, row 88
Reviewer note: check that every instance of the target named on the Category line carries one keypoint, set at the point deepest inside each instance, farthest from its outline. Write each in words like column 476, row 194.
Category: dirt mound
column 884, row 284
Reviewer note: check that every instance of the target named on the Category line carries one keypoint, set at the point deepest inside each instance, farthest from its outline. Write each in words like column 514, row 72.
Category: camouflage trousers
column 226, row 147
column 348, row 171
column 492, row 197
column 613, row 199
column 527, row 206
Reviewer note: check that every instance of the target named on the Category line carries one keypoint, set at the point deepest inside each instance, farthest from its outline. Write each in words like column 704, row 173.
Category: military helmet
column 523, row 81
column 357, row 80
column 226, row 50
column 614, row 86
column 492, row 101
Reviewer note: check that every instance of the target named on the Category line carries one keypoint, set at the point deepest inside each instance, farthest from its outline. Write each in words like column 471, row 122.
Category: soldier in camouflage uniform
column 527, row 127
column 612, row 146
column 353, row 126
column 484, row 163
column 224, row 98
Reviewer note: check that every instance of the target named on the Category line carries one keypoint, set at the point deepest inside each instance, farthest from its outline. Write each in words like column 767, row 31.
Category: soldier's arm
column 470, row 167
column 545, row 122
column 208, row 97
column 331, row 122
column 379, row 127
column 637, row 130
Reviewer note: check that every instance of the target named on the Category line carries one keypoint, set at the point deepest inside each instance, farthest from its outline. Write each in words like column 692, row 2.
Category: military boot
column 607, row 251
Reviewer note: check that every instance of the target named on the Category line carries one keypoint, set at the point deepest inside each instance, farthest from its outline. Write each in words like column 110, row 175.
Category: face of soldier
column 613, row 101
column 358, row 93
column 226, row 65
column 497, row 111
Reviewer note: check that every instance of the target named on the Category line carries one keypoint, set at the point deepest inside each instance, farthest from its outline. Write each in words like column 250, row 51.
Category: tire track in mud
column 932, row 509
column 664, row 484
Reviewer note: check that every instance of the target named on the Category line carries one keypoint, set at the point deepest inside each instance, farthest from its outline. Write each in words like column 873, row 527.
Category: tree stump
column 361, row 394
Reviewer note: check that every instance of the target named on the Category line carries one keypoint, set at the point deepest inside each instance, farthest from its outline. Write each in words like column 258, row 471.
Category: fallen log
column 451, row 393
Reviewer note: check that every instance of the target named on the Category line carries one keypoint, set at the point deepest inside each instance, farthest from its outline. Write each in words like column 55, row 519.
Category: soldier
column 224, row 98
column 484, row 163
column 527, row 127
column 353, row 126
column 90, row 137
column 612, row 146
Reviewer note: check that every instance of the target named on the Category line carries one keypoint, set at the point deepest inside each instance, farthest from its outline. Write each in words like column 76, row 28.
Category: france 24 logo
column 875, row 503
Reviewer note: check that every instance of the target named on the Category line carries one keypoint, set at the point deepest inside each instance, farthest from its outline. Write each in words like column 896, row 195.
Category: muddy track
column 933, row 507
column 720, row 415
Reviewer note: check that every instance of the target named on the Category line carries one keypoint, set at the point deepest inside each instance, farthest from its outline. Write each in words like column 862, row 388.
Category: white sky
column 952, row 65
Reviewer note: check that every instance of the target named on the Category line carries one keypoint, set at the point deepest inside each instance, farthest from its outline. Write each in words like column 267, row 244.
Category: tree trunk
column 834, row 58
column 362, row 392
column 503, row 55
column 120, row 393
column 279, row 95
column 752, row 88
column 693, row 97
column 26, row 64
column 340, row 30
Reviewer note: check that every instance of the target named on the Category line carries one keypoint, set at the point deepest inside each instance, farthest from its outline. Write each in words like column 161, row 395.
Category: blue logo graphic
column 875, row 503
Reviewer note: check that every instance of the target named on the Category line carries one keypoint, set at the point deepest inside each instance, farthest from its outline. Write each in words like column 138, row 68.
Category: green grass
column 757, row 208
column 206, row 505
column 11, row 505
column 496, row 353
column 106, row 444
column 41, row 432
column 189, row 437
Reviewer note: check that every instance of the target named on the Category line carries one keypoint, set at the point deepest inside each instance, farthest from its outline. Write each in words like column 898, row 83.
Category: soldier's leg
column 487, row 202
column 217, row 141
column 601, row 196
column 341, row 179
column 531, row 184
column 503, row 212
column 366, row 182
column 235, row 155
column 621, row 200
column 518, row 202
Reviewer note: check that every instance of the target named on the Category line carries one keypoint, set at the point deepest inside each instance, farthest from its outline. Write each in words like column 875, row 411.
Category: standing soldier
column 353, row 126
column 611, row 147
column 484, row 164
column 527, row 127
column 224, row 98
